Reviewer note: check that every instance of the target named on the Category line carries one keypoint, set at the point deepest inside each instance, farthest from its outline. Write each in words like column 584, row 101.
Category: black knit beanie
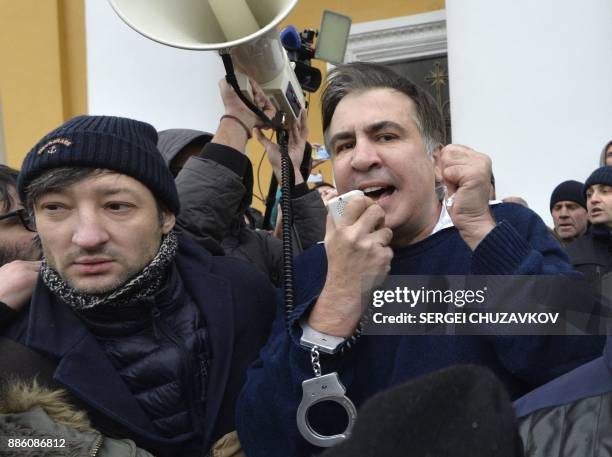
column 462, row 411
column 602, row 175
column 123, row 145
column 568, row 191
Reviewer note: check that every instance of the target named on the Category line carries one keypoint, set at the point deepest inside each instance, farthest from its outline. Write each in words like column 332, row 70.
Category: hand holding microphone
column 357, row 250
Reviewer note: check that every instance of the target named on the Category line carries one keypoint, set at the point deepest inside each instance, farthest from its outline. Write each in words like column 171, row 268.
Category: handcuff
column 322, row 388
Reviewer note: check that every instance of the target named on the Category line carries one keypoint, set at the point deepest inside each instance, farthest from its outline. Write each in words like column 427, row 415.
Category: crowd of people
column 143, row 313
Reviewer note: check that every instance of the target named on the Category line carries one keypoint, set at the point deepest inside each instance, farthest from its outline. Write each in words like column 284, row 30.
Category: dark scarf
column 144, row 284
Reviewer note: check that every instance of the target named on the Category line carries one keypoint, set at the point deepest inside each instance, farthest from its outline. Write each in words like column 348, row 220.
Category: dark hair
column 323, row 184
column 8, row 180
column 361, row 76
column 56, row 179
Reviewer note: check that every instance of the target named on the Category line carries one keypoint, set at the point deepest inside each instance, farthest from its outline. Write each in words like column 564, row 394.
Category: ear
column 168, row 221
column 436, row 157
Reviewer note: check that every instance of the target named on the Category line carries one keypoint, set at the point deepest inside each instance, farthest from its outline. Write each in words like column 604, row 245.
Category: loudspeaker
column 247, row 29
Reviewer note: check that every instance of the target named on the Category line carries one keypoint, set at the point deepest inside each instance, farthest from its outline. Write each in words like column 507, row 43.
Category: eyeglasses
column 23, row 216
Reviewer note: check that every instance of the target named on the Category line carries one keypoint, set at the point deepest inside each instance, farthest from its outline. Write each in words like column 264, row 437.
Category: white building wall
column 130, row 75
column 530, row 84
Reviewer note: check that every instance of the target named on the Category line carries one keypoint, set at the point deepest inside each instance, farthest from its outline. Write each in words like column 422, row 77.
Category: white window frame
column 399, row 39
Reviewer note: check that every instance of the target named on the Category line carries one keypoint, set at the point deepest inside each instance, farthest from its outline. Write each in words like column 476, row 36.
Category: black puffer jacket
column 159, row 347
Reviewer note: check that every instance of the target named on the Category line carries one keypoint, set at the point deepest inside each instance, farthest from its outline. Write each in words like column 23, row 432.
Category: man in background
column 19, row 251
column 591, row 253
column 569, row 212
column 16, row 236
column 215, row 184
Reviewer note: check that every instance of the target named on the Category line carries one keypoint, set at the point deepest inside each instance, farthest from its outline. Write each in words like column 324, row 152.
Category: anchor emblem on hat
column 52, row 145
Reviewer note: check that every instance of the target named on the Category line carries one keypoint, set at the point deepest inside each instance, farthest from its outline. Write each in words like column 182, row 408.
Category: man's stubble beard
column 11, row 252
column 115, row 285
column 121, row 280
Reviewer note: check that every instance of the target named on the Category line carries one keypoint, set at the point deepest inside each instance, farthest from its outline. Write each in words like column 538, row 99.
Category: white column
column 531, row 85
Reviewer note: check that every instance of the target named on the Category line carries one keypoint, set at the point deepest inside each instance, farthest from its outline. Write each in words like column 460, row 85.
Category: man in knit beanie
column 151, row 333
column 568, row 210
column 591, row 253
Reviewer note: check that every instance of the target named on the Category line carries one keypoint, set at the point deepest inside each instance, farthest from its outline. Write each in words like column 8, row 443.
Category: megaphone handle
column 230, row 77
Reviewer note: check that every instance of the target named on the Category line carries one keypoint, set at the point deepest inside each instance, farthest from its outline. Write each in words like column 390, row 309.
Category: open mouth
column 378, row 192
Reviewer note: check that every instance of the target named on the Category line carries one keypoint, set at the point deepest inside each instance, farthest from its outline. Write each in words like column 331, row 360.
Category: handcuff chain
column 314, row 359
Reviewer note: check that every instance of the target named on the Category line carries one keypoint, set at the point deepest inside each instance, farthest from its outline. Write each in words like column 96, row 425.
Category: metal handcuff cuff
column 322, row 388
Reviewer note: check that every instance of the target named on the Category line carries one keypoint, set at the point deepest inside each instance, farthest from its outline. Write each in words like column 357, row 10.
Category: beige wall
column 2, row 153
column 42, row 69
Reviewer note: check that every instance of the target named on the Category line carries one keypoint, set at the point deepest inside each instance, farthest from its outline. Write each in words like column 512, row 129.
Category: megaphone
column 247, row 29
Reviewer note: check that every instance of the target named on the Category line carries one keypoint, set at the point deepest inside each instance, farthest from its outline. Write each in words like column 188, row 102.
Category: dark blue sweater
column 520, row 244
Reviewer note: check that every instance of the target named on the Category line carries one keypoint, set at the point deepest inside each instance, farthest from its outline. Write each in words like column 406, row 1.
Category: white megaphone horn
column 245, row 28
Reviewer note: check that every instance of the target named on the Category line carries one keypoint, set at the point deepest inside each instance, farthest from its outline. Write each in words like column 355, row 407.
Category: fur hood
column 32, row 412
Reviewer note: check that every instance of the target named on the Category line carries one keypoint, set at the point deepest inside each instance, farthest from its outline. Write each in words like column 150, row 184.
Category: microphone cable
column 282, row 137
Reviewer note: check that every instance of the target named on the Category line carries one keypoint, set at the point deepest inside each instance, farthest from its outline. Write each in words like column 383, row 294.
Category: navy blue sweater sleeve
column 520, row 244
column 266, row 414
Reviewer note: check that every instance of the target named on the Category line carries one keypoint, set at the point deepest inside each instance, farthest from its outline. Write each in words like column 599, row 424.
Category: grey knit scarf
column 144, row 284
